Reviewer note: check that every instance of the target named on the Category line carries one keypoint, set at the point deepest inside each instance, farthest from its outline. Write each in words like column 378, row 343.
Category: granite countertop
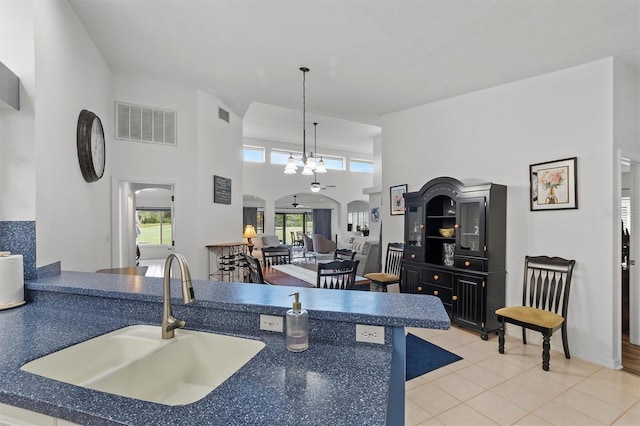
column 338, row 383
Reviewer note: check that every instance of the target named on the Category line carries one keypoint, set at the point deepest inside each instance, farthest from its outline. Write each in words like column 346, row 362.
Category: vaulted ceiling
column 367, row 58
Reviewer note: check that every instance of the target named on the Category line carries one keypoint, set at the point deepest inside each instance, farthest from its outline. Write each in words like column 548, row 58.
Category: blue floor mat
column 423, row 357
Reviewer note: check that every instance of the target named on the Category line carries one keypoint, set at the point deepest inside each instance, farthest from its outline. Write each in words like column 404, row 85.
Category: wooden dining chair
column 337, row 274
column 545, row 299
column 345, row 254
column 392, row 266
column 279, row 255
column 255, row 270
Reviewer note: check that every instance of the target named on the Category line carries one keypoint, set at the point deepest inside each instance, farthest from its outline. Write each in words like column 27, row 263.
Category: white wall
column 150, row 163
column 72, row 216
column 220, row 153
column 205, row 146
column 41, row 179
column 494, row 135
column 17, row 134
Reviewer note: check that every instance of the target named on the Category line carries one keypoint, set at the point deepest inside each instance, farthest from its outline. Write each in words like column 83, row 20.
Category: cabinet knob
column 413, row 256
column 457, row 226
column 467, row 263
column 435, row 292
column 421, row 226
column 436, row 277
column 419, row 288
column 455, row 297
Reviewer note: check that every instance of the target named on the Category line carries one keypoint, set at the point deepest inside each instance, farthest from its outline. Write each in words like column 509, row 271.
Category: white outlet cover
column 370, row 334
column 271, row 323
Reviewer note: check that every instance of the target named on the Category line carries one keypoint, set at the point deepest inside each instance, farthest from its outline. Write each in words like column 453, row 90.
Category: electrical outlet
column 271, row 323
column 370, row 333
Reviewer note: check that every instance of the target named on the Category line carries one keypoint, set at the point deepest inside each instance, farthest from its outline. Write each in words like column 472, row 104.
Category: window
column 362, row 166
column 253, row 154
column 281, row 157
column 358, row 220
column 625, row 212
column 154, row 227
column 286, row 223
column 333, row 163
column 330, row 162
column 260, row 222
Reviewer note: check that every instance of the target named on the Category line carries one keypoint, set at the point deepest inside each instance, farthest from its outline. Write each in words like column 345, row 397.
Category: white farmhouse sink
column 135, row 362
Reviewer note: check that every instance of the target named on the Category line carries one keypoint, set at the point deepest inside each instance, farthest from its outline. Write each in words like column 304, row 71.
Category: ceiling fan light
column 315, row 186
column 320, row 167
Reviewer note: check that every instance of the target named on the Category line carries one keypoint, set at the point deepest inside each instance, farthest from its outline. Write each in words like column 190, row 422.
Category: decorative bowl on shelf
column 446, row 232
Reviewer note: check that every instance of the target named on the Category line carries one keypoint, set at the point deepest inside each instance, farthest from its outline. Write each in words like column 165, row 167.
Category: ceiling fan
column 316, row 186
column 295, row 203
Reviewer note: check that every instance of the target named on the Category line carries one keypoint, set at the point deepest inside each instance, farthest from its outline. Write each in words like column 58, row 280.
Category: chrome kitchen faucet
column 169, row 323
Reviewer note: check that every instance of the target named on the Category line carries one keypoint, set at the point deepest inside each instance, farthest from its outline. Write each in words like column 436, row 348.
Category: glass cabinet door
column 414, row 224
column 470, row 232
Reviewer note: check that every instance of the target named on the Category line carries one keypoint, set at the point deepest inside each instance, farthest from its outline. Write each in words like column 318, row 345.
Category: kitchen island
column 336, row 381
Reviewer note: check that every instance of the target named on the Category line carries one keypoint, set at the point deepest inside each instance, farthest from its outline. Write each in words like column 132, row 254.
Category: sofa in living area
column 264, row 240
column 367, row 252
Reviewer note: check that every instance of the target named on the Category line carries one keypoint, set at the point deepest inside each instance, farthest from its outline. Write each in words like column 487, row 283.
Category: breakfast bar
column 276, row 387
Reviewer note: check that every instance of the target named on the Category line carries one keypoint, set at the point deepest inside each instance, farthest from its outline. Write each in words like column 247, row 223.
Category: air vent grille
column 145, row 124
column 223, row 115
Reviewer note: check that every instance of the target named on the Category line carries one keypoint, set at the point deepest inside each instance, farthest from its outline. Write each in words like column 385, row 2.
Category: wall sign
column 221, row 190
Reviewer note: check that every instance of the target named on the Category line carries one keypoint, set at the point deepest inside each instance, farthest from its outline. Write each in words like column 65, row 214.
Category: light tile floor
column 512, row 389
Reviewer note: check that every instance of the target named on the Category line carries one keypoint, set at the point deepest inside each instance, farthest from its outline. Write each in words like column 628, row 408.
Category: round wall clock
column 91, row 150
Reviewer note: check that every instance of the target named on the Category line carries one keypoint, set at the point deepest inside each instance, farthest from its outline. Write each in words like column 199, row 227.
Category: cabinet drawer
column 417, row 256
column 472, row 264
column 443, row 293
column 434, row 276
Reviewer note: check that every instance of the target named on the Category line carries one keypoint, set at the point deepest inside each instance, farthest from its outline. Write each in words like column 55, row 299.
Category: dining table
column 298, row 275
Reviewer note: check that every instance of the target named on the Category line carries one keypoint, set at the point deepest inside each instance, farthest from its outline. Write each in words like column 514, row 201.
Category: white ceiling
column 367, row 58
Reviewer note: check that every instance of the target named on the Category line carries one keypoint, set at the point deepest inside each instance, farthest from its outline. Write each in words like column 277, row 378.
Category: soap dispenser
column 297, row 327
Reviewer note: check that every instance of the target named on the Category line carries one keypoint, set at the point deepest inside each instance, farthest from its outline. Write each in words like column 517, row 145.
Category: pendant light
column 309, row 160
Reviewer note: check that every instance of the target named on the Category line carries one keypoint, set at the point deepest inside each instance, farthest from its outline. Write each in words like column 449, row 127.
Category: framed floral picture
column 554, row 185
column 397, row 200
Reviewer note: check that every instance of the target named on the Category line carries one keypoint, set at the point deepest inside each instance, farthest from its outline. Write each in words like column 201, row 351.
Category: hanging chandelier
column 308, row 160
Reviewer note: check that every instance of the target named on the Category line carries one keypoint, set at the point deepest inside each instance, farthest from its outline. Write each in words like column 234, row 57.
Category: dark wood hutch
column 455, row 243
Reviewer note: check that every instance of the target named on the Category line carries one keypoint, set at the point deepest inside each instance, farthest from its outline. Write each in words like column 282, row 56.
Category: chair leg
column 565, row 341
column 546, row 347
column 524, row 336
column 501, row 337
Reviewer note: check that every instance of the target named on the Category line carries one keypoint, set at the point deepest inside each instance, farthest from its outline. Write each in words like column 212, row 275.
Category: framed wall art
column 554, row 185
column 397, row 200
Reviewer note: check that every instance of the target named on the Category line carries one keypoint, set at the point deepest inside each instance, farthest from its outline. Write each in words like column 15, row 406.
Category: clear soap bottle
column 297, row 327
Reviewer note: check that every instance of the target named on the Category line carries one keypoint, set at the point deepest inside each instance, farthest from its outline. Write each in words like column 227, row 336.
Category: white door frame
column 123, row 236
column 633, row 159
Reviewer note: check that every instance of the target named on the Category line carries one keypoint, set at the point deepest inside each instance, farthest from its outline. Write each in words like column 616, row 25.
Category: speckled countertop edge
column 392, row 309
column 266, row 391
